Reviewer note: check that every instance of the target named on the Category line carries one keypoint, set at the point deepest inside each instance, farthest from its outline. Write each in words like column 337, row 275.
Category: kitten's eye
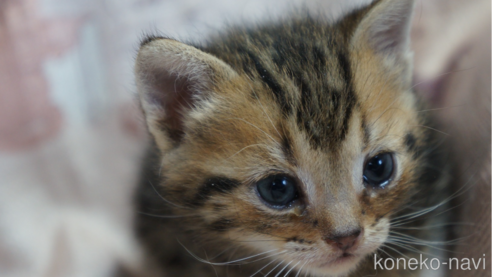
column 379, row 170
column 277, row 190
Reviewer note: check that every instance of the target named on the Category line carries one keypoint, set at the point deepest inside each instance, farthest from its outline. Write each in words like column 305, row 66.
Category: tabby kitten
column 297, row 147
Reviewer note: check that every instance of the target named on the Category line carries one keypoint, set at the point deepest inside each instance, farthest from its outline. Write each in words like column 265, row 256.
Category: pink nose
column 346, row 240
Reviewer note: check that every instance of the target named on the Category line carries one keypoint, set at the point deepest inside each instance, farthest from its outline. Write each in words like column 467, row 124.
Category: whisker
column 160, row 168
column 283, row 269
column 263, row 258
column 429, row 244
column 263, row 108
column 276, row 254
column 410, row 248
column 252, row 145
column 441, row 75
column 226, row 263
column 433, row 129
column 385, row 110
column 206, row 256
column 292, row 268
column 165, row 200
column 424, row 242
column 263, row 267
column 167, row 216
column 385, row 245
column 433, row 226
column 404, row 246
column 300, row 269
column 273, row 269
column 257, row 240
column 377, row 96
column 456, row 194
column 380, row 249
column 222, row 252
column 415, row 218
column 438, row 109
column 230, row 257
column 247, row 122
column 402, row 219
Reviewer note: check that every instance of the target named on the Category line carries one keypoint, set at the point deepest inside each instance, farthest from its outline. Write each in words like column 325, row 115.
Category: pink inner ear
column 175, row 97
column 391, row 36
column 390, row 40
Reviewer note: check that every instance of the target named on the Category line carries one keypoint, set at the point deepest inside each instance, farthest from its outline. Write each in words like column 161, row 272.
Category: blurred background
column 71, row 133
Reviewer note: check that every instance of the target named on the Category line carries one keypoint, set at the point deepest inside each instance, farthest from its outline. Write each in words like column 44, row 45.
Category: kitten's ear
column 171, row 79
column 385, row 28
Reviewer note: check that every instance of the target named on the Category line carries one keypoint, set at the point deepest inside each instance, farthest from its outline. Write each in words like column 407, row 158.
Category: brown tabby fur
column 303, row 97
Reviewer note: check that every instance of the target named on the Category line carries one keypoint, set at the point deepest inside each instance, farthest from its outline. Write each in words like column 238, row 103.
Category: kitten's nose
column 345, row 241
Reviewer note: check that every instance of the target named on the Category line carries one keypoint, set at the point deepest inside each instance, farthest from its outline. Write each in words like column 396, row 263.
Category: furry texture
column 306, row 98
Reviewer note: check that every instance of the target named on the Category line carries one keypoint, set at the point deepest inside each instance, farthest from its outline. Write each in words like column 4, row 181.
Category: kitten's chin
column 339, row 266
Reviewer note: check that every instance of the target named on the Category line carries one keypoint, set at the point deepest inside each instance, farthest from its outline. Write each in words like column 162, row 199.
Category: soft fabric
column 71, row 134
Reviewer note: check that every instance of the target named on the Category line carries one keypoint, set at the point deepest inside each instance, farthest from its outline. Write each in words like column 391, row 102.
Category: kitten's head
column 300, row 139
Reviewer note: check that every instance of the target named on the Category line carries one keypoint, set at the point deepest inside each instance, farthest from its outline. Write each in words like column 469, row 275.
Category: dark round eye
column 379, row 170
column 277, row 190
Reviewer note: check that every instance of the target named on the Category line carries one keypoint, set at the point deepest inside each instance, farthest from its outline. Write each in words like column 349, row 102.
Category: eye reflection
column 378, row 170
column 277, row 190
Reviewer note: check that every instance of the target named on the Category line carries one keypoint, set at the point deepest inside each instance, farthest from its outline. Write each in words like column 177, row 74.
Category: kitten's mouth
column 336, row 265
column 342, row 260
column 344, row 257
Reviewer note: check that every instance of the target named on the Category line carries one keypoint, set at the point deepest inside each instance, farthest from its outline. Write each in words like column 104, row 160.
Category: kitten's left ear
column 385, row 28
column 172, row 79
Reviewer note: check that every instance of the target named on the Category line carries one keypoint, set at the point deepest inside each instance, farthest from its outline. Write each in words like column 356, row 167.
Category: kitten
column 296, row 147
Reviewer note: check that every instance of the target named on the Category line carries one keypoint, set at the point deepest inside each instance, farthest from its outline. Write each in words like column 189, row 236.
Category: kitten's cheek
column 375, row 237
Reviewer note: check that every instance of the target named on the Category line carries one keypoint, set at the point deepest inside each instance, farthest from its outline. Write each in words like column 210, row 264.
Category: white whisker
column 264, row 111
column 168, row 216
column 263, row 267
column 244, row 148
column 283, row 269
column 377, row 96
column 273, row 255
column 433, row 129
column 291, row 268
column 273, row 269
column 300, row 269
column 402, row 219
column 418, row 241
column 433, row 226
column 410, row 248
column 385, row 245
column 266, row 134
column 441, row 75
column 206, row 256
column 385, row 110
column 165, row 200
column 226, row 263
column 403, row 244
column 380, row 249
column 438, row 109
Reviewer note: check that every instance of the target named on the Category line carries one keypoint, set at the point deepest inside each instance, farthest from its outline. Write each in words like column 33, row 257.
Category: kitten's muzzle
column 345, row 241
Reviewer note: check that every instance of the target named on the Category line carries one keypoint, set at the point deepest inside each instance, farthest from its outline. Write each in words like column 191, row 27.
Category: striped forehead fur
column 306, row 68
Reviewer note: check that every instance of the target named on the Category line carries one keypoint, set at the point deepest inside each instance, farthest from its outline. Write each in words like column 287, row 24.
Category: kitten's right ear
column 171, row 79
column 385, row 28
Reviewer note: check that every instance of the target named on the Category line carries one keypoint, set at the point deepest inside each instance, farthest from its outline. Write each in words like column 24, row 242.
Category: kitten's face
column 257, row 178
column 310, row 176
